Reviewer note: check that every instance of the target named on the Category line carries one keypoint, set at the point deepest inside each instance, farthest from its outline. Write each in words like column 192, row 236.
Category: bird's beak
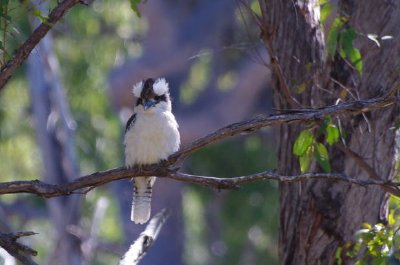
column 148, row 103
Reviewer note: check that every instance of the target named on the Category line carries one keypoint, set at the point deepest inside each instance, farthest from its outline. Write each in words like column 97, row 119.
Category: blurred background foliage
column 220, row 227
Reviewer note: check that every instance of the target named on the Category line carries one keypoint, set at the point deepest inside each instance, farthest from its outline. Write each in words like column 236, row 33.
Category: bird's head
column 153, row 95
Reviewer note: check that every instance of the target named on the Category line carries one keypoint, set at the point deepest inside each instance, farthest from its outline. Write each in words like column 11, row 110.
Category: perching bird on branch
column 151, row 135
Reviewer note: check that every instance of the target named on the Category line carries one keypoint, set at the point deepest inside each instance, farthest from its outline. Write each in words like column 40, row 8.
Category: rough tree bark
column 317, row 216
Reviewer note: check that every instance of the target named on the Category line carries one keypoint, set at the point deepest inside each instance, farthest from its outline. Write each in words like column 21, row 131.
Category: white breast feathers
column 153, row 137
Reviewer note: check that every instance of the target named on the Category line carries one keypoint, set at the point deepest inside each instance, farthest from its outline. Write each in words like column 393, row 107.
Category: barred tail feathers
column 141, row 204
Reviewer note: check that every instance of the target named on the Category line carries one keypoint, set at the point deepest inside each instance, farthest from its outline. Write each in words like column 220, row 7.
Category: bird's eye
column 158, row 98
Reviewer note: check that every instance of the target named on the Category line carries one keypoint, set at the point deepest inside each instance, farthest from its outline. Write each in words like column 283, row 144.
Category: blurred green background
column 221, row 68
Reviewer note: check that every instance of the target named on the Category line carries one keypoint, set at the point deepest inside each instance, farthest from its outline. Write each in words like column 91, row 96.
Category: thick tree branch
column 166, row 169
column 86, row 183
column 19, row 251
column 25, row 49
column 354, row 107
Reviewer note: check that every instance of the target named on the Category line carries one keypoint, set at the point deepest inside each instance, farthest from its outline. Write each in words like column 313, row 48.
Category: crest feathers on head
column 160, row 87
column 137, row 89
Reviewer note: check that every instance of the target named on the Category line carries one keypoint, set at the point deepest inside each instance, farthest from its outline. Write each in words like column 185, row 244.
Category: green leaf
column 332, row 134
column 305, row 159
column 322, row 156
column 347, row 37
column 338, row 256
column 355, row 57
column 392, row 218
column 326, row 10
column 333, row 35
column 303, row 141
column 40, row 16
column 134, row 7
column 366, row 226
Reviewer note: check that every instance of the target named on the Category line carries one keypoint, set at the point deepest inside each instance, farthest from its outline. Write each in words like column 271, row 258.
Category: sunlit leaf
column 322, row 156
column 326, row 10
column 366, row 226
column 40, row 16
column 134, row 6
column 303, row 141
column 391, row 218
column 332, row 134
column 355, row 57
column 305, row 159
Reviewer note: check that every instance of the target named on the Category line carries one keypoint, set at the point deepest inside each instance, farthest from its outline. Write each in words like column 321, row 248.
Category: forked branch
column 23, row 253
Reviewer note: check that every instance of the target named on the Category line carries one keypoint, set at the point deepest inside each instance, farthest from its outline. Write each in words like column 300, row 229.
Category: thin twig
column 235, row 182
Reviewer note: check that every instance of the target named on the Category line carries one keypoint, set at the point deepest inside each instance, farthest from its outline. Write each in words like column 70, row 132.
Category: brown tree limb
column 355, row 107
column 166, row 169
column 25, row 49
column 86, row 183
column 8, row 241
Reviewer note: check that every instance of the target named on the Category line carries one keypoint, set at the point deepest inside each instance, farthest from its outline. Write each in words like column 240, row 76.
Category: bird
column 151, row 136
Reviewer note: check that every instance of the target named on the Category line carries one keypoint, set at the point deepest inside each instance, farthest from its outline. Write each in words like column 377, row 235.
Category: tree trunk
column 55, row 137
column 316, row 217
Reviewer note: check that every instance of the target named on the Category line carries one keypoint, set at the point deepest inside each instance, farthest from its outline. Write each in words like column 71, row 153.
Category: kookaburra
column 151, row 135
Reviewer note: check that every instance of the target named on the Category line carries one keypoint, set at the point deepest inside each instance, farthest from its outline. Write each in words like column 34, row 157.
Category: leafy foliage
column 306, row 145
column 341, row 39
column 375, row 244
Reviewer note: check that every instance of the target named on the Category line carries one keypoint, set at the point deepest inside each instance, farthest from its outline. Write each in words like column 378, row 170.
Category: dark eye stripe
column 156, row 98
column 160, row 98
